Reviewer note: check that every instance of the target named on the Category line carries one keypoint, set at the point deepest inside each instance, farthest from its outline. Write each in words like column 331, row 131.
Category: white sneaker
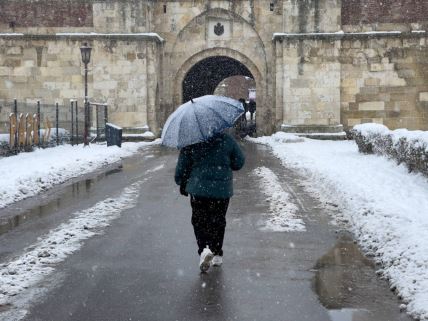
column 217, row 260
column 205, row 260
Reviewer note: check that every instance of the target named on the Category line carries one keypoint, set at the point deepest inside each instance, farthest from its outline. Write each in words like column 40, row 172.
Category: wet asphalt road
column 145, row 265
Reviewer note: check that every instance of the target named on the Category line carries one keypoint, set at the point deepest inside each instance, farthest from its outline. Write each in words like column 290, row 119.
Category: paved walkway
column 145, row 265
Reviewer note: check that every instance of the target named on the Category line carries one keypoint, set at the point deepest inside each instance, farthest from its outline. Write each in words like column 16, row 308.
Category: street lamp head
column 85, row 50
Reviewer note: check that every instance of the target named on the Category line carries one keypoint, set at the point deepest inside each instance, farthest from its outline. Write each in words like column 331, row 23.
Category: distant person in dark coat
column 244, row 103
column 243, row 119
column 204, row 171
column 252, row 108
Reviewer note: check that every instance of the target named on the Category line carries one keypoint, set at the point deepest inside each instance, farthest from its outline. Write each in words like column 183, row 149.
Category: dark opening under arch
column 203, row 78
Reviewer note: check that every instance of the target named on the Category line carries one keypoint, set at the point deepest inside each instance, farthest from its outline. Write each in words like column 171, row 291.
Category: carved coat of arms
column 218, row 29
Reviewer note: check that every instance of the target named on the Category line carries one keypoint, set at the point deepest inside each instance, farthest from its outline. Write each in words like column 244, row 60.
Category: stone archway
column 217, row 52
column 204, row 76
column 197, row 41
column 233, row 55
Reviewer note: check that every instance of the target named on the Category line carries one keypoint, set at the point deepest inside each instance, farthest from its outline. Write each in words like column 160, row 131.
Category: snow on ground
column 147, row 134
column 385, row 206
column 27, row 174
column 157, row 168
column 282, row 217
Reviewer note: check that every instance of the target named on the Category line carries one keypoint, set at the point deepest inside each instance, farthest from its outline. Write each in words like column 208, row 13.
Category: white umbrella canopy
column 200, row 119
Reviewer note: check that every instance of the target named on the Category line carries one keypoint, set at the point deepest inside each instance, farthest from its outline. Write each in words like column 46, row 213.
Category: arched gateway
column 204, row 77
column 203, row 58
column 205, row 70
column 317, row 64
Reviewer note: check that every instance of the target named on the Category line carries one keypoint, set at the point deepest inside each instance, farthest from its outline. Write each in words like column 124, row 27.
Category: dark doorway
column 204, row 77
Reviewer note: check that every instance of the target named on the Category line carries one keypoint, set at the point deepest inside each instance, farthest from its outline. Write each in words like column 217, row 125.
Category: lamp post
column 85, row 50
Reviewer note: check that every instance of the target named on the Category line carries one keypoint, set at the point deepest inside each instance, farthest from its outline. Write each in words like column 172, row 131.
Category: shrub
column 408, row 147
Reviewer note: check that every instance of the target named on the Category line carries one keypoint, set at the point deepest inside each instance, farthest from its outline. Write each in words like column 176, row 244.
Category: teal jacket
column 205, row 169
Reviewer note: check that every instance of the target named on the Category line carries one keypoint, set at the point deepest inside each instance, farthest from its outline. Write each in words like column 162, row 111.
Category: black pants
column 209, row 222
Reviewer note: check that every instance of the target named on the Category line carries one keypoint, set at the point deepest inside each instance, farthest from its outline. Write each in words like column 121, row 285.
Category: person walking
column 252, row 109
column 243, row 119
column 204, row 170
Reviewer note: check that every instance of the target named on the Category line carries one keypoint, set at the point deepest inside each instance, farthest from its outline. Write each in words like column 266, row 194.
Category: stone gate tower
column 317, row 64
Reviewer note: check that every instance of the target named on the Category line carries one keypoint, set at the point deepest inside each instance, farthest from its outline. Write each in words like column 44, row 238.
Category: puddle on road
column 67, row 195
column 346, row 284
column 349, row 315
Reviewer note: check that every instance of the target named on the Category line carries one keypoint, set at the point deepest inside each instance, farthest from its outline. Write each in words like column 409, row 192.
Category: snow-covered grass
column 384, row 205
column 28, row 174
column 282, row 216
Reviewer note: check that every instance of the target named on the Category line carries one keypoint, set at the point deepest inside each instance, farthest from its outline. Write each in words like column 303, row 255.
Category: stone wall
column 187, row 28
column 311, row 16
column 385, row 81
column 312, row 74
column 308, row 81
column 123, row 72
column 129, row 16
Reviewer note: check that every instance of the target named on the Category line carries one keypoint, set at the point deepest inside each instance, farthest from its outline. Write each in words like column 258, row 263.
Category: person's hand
column 183, row 190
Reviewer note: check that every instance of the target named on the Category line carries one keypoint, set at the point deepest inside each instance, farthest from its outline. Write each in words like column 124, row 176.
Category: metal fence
column 99, row 118
column 25, row 125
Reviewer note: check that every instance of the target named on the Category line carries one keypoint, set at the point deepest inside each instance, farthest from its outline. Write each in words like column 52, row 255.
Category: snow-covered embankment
column 386, row 207
column 28, row 174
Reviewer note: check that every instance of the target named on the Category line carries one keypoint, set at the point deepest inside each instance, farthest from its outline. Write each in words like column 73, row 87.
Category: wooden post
column 29, row 129
column 21, row 131
column 36, row 129
column 12, row 130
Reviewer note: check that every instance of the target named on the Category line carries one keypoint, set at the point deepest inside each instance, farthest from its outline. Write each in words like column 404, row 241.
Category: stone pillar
column 311, row 81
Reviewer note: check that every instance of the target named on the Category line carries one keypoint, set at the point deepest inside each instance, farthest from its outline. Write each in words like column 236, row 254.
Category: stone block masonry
column 54, row 73
column 311, row 90
column 390, row 90
column 314, row 62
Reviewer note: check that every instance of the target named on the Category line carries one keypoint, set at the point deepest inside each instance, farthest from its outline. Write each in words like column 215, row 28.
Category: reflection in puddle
column 344, row 277
column 340, row 272
column 349, row 315
column 205, row 298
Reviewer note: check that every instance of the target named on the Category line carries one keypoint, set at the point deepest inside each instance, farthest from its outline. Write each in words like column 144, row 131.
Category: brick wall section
column 385, row 11
column 46, row 13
